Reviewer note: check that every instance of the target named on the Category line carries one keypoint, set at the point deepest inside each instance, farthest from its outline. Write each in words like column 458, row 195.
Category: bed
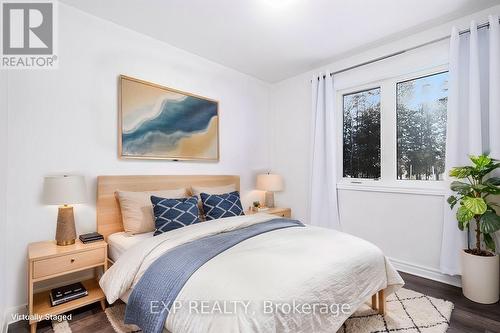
column 120, row 242
column 271, row 274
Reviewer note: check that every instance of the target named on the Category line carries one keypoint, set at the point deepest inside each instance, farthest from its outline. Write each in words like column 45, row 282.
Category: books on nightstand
column 91, row 237
column 67, row 293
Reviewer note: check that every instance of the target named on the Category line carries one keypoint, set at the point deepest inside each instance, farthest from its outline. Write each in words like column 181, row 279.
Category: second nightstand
column 46, row 260
column 281, row 212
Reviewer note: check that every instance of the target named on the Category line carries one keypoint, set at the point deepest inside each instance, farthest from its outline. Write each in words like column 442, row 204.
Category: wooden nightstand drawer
column 286, row 213
column 281, row 212
column 68, row 262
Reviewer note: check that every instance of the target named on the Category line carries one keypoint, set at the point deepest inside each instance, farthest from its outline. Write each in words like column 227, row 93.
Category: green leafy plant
column 473, row 195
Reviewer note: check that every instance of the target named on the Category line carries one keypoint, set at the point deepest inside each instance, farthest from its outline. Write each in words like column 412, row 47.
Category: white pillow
column 196, row 190
column 137, row 209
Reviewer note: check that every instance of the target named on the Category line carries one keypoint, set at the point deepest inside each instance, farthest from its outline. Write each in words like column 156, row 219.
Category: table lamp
column 64, row 191
column 270, row 183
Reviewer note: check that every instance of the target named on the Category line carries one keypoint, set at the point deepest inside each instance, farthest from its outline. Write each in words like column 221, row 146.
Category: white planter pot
column 481, row 278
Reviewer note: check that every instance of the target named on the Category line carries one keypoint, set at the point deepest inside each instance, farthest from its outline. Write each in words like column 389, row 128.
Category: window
column 421, row 127
column 361, row 134
column 393, row 130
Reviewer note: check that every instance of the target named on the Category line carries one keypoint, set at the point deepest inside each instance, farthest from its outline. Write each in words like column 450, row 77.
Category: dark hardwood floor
column 467, row 316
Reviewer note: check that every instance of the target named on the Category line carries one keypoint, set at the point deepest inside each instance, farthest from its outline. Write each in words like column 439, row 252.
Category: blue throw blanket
column 164, row 279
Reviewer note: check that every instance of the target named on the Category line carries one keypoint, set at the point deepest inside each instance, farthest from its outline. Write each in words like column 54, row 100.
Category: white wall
column 65, row 120
column 3, row 184
column 407, row 226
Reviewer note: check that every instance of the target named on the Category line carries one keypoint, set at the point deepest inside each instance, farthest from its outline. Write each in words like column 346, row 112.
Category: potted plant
column 474, row 194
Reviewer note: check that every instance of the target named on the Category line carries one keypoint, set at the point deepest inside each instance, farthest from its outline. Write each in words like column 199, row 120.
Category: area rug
column 407, row 311
column 116, row 316
column 61, row 327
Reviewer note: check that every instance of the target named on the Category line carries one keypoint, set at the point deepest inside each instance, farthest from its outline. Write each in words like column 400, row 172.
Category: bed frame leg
column 374, row 302
column 381, row 302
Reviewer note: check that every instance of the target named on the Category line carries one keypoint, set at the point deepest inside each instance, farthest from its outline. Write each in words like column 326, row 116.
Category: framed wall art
column 156, row 122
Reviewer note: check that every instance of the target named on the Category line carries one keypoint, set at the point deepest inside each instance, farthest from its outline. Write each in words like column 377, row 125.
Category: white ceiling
column 276, row 39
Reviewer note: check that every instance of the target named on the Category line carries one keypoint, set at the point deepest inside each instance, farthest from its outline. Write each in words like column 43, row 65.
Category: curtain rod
column 480, row 26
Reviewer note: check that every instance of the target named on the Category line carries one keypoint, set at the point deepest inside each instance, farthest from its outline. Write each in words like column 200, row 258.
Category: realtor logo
column 28, row 35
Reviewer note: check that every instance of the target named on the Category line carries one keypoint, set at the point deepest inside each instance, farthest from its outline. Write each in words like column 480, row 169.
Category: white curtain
column 323, row 205
column 473, row 124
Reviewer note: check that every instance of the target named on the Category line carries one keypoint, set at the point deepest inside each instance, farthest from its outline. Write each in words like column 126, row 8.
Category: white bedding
column 304, row 265
column 121, row 241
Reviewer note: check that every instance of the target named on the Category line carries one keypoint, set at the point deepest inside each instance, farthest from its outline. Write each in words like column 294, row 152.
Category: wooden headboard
column 109, row 219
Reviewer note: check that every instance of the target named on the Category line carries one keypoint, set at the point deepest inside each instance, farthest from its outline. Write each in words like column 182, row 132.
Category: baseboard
column 426, row 272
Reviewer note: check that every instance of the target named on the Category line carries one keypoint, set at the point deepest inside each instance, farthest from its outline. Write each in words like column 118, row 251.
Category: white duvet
column 266, row 283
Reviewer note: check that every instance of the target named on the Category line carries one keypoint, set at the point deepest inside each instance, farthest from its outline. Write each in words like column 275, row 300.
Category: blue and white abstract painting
column 158, row 122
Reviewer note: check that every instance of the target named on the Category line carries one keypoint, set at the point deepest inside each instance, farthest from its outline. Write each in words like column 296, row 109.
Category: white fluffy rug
column 61, row 326
column 116, row 315
column 407, row 312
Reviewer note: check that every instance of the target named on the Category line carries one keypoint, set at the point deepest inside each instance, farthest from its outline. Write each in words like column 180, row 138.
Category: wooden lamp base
column 65, row 232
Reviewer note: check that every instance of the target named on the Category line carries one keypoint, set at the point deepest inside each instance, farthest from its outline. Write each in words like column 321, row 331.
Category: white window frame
column 388, row 181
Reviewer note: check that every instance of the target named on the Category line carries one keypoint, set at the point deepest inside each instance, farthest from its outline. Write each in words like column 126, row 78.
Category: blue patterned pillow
column 217, row 206
column 172, row 214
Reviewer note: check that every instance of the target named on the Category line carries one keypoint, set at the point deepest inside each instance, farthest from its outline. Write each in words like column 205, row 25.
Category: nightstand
column 46, row 260
column 281, row 212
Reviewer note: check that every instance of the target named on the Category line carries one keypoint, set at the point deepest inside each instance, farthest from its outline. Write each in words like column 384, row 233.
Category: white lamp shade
column 64, row 190
column 270, row 182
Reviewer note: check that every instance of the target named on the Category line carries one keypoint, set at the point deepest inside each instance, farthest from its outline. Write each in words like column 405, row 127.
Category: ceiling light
column 279, row 3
